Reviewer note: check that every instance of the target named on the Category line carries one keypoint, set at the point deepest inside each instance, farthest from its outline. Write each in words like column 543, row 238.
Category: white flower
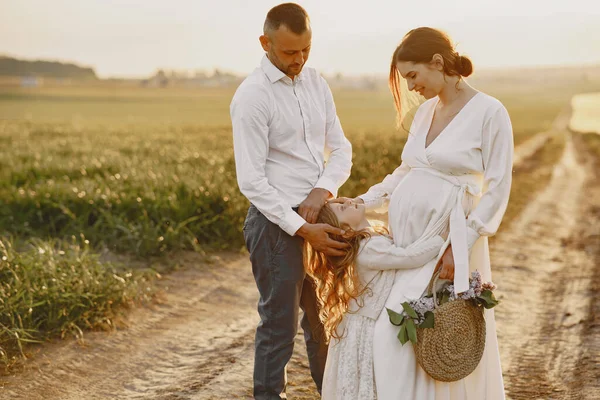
column 469, row 294
column 475, row 282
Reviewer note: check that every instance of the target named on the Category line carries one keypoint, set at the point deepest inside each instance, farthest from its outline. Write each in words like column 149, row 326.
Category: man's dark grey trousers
column 284, row 287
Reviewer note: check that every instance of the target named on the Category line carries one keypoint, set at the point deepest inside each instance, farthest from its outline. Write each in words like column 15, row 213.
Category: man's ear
column 265, row 42
column 437, row 62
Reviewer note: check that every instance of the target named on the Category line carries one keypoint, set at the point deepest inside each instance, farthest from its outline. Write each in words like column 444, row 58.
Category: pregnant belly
column 417, row 205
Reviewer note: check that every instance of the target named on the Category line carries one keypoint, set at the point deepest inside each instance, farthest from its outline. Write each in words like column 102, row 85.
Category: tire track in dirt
column 587, row 239
column 544, row 283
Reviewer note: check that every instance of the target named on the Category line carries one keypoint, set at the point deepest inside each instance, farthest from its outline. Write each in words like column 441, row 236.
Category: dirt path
column 545, row 267
column 537, row 141
column 198, row 344
column 176, row 350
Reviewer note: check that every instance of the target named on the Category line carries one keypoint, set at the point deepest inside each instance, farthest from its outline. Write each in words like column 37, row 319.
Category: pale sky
column 136, row 37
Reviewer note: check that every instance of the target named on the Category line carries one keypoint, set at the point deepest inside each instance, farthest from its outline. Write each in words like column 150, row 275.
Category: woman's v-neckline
column 447, row 125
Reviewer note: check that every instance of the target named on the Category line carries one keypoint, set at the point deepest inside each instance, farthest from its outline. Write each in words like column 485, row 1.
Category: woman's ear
column 437, row 62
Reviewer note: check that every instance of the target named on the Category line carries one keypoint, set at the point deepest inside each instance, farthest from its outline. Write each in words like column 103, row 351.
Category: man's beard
column 286, row 70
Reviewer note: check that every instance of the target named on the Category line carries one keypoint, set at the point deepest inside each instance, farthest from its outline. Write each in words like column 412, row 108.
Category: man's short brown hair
column 292, row 15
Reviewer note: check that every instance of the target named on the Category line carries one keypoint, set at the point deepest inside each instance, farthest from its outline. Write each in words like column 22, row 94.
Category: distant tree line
column 47, row 69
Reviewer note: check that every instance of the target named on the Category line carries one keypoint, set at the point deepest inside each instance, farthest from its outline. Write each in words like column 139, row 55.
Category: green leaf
column 429, row 320
column 409, row 310
column 403, row 335
column 488, row 299
column 395, row 318
column 411, row 330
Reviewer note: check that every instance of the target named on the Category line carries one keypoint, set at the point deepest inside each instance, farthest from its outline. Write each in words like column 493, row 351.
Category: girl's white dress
column 349, row 367
column 464, row 177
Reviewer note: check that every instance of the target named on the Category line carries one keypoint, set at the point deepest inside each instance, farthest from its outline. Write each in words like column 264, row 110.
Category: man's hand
column 342, row 200
column 317, row 236
column 446, row 263
column 309, row 209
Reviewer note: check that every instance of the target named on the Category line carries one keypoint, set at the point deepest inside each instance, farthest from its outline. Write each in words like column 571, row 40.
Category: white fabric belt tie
column 458, row 224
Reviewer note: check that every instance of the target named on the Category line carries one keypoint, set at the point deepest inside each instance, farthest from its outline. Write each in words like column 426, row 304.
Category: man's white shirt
column 287, row 140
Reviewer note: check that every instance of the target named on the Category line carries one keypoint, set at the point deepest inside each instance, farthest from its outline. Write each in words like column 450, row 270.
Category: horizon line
column 237, row 74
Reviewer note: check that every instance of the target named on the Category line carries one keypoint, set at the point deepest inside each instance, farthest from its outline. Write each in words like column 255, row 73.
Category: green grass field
column 147, row 172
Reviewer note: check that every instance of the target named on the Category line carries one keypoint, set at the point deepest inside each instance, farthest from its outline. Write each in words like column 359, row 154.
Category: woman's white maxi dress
column 465, row 176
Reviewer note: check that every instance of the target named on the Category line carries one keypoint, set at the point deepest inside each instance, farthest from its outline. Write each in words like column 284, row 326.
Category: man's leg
column 314, row 333
column 277, row 266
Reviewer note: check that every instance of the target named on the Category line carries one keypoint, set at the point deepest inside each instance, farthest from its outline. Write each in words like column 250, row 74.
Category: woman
column 456, row 167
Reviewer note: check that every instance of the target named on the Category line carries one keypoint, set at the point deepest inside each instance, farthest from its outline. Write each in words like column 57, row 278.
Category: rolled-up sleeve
column 250, row 115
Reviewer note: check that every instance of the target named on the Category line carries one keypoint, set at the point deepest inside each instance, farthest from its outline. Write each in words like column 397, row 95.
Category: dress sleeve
column 380, row 253
column 497, row 150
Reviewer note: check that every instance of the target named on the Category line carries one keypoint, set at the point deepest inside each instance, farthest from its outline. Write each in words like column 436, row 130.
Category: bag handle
column 431, row 286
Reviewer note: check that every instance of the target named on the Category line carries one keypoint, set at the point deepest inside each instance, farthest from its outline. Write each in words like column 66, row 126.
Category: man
column 291, row 156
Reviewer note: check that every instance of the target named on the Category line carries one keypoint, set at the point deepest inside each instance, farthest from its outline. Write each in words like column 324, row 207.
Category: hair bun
column 464, row 66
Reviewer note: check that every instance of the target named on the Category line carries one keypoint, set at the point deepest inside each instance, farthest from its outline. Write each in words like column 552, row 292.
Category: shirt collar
column 275, row 74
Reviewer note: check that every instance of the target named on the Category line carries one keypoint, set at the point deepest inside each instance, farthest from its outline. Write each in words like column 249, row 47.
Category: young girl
column 352, row 290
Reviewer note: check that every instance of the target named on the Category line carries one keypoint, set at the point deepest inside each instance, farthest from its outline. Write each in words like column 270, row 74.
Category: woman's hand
column 446, row 263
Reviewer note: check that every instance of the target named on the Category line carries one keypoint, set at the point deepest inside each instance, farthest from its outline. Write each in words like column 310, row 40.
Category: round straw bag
column 453, row 348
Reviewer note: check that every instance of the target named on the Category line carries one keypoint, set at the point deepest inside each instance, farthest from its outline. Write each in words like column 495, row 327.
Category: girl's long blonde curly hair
column 336, row 277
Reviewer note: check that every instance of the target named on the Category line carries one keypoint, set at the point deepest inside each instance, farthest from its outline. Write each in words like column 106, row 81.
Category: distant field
column 113, row 106
column 532, row 107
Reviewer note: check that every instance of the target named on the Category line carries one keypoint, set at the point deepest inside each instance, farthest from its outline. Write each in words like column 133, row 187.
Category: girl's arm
column 380, row 253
